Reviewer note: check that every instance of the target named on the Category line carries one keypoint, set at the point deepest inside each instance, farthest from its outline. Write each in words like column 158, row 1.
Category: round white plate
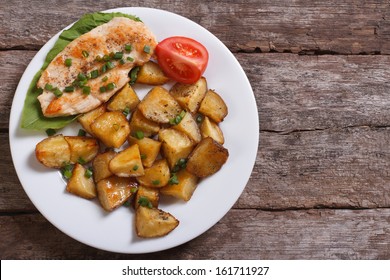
column 85, row 220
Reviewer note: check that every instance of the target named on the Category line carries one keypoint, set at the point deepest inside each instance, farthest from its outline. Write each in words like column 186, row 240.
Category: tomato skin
column 182, row 59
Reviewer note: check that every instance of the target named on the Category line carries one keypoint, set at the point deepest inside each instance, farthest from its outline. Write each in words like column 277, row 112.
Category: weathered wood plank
column 336, row 168
column 293, row 92
column 284, row 26
column 317, row 92
column 241, row 234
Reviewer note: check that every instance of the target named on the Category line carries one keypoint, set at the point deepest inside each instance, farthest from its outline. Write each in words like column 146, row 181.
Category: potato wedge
column 155, row 176
column 80, row 185
column 53, row 151
column 112, row 128
column 189, row 126
column 175, row 145
column 213, row 106
column 209, row 128
column 207, row 158
column 148, row 148
column 124, row 99
column 151, row 194
column 153, row 222
column 139, row 123
column 88, row 118
column 114, row 191
column 127, row 163
column 151, row 74
column 184, row 187
column 83, row 149
column 190, row 96
column 100, row 166
column 159, row 106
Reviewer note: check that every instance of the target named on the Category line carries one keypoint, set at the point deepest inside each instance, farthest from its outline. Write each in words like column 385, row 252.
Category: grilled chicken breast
column 94, row 66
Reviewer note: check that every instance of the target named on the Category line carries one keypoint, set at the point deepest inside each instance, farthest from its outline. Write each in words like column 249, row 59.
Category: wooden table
column 320, row 71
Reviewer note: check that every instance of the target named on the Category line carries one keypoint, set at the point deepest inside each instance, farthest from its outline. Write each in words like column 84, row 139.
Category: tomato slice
column 182, row 59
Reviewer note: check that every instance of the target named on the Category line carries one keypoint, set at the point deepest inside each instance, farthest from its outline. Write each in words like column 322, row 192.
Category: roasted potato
column 159, row 106
column 124, row 99
column 155, row 176
column 127, row 163
column 183, row 185
column 213, row 106
column 148, row 148
column 83, row 149
column 190, row 96
column 112, row 128
column 88, row 118
column 189, row 126
column 100, row 165
column 139, row 123
column 151, row 194
column 150, row 73
column 207, row 158
column 153, row 222
column 53, row 151
column 209, row 128
column 80, row 184
column 175, row 145
column 114, row 191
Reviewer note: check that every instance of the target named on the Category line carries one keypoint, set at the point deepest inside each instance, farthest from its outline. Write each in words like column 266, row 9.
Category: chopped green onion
column 143, row 156
column 105, row 78
column 139, row 134
column 94, row 74
column 102, row 89
column 156, row 182
column 98, row 58
column 128, row 48
column 88, row 173
column 85, row 53
column 135, row 167
column 144, row 201
column 88, row 75
column 106, row 57
column 82, row 132
column 126, row 111
column 129, row 58
column 133, row 75
column 82, row 83
column 115, row 126
column 199, row 118
column 81, row 160
column 176, row 120
column 133, row 189
column 50, row 132
column 147, row 49
column 81, row 77
column 110, row 65
column 57, row 92
column 180, row 164
column 122, row 61
column 69, row 89
column 173, row 180
column 66, row 170
column 111, row 86
column 48, row 87
column 68, row 62
column 104, row 68
column 118, row 55
column 127, row 203
column 86, row 90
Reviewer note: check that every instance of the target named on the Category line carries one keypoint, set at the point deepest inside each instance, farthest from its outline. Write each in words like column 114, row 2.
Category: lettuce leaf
column 32, row 116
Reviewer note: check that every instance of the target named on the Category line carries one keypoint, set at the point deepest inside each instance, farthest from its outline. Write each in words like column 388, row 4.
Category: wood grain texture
column 306, row 27
column 241, row 234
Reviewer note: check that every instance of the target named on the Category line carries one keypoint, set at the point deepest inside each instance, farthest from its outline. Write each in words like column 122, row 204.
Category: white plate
column 85, row 220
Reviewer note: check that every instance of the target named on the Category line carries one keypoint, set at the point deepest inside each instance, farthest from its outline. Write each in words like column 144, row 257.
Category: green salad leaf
column 32, row 116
